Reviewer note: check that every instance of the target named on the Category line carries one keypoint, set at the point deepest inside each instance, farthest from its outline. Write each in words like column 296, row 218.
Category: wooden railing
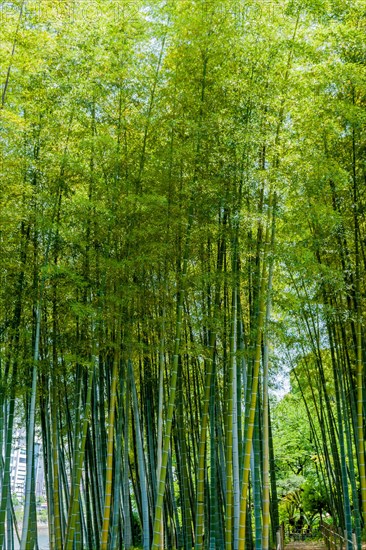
column 335, row 538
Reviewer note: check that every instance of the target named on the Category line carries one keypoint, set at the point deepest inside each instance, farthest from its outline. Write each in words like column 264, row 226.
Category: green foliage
column 314, row 498
column 292, row 439
column 142, row 148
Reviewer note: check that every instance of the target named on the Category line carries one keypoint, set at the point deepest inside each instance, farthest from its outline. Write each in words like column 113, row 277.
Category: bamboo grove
column 182, row 209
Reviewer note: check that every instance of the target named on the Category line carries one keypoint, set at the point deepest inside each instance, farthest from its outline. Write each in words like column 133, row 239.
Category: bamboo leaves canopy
column 182, row 210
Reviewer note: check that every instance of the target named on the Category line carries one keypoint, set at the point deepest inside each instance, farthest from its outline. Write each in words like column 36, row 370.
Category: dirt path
column 310, row 545
column 313, row 545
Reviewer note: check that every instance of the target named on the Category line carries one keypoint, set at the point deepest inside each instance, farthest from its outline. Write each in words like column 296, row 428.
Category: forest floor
column 309, row 545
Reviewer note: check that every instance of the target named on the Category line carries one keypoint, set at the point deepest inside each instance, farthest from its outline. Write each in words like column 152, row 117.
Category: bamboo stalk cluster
column 173, row 212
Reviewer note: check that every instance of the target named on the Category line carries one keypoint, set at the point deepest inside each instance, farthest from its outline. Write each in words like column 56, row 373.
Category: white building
column 18, row 467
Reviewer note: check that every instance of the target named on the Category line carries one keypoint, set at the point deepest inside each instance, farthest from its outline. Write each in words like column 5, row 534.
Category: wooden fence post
column 280, row 537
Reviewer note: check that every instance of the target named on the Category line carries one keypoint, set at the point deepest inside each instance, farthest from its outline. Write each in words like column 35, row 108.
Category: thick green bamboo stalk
column 200, row 493
column 30, row 434
column 127, row 528
column 45, row 417
column 10, row 528
column 236, row 452
column 229, row 524
column 118, row 480
column 109, row 466
column 360, row 419
column 96, row 452
column 266, row 480
column 5, row 484
column 236, row 397
column 181, row 454
column 358, row 308
column 175, row 515
column 55, row 465
column 255, row 383
column 88, row 495
column 266, row 462
column 79, row 443
column 160, row 417
column 55, row 520
column 351, row 466
column 256, row 477
column 32, row 531
column 342, row 452
column 213, row 465
column 221, row 474
column 274, row 499
column 141, row 462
